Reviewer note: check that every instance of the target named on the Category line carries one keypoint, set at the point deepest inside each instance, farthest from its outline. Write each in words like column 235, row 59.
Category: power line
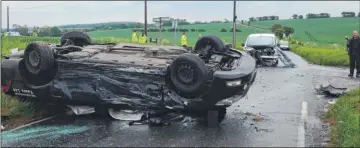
column 35, row 7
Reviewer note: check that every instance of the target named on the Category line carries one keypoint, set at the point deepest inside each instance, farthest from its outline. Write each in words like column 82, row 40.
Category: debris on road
column 258, row 118
column 331, row 91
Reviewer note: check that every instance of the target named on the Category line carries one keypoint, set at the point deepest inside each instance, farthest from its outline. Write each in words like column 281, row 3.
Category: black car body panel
column 126, row 76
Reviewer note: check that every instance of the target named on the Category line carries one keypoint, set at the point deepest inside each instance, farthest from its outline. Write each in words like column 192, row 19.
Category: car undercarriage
column 145, row 78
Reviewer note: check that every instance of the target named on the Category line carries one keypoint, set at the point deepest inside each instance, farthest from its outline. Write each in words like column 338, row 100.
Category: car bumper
column 228, row 86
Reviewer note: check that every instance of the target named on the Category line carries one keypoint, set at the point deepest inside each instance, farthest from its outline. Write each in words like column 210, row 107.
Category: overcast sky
column 40, row 13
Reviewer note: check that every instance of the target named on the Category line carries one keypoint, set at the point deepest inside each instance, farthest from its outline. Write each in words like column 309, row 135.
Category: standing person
column 134, row 37
column 353, row 46
column 142, row 38
column 184, row 42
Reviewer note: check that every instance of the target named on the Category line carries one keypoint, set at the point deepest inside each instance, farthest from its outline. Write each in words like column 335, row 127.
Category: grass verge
column 330, row 55
column 344, row 118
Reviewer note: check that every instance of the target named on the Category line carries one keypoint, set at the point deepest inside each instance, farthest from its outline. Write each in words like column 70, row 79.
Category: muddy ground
column 277, row 97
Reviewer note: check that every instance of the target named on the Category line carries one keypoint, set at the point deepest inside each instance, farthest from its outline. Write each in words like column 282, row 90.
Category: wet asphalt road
column 277, row 96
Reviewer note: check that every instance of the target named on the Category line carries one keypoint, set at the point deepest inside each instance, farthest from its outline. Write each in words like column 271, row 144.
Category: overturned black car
column 131, row 76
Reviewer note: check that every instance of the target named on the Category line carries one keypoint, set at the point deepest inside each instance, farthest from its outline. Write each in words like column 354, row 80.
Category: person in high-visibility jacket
column 142, row 38
column 134, row 37
column 184, row 40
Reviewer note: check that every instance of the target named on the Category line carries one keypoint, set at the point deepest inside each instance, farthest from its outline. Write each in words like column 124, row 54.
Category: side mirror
column 242, row 44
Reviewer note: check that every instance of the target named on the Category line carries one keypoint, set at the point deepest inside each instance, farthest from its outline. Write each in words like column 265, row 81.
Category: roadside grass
column 13, row 107
column 344, row 118
column 327, row 55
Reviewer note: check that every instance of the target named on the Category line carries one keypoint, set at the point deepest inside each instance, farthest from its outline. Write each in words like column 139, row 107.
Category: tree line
column 349, row 14
column 264, row 18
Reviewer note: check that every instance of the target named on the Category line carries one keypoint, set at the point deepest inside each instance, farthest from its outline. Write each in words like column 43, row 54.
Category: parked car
column 264, row 48
column 284, row 45
column 148, row 78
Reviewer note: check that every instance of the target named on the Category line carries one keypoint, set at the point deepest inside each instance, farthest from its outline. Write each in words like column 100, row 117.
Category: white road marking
column 301, row 128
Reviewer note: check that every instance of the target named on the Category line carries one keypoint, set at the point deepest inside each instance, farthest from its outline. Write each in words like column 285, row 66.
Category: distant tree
column 348, row 14
column 251, row 19
column 23, row 30
column 279, row 32
column 301, row 16
column 275, row 27
column 272, row 17
column 288, row 30
column 359, row 14
column 295, row 16
column 44, row 32
column 201, row 30
column 55, row 32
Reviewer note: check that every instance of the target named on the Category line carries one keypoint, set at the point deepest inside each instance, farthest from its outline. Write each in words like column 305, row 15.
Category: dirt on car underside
column 142, row 55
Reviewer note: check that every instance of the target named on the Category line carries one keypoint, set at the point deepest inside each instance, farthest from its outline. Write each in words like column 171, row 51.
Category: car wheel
column 38, row 57
column 77, row 37
column 212, row 41
column 188, row 74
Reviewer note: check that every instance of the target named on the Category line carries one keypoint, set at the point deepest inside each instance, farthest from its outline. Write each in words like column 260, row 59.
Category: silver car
column 263, row 47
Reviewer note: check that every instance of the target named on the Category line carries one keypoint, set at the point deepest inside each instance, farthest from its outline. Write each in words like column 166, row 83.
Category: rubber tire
column 79, row 38
column 46, row 56
column 193, row 90
column 212, row 40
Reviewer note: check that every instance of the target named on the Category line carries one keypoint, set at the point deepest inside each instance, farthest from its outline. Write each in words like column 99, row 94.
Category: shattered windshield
column 260, row 41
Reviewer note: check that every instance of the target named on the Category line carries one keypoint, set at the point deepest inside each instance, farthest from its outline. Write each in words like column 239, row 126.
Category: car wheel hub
column 34, row 58
column 186, row 73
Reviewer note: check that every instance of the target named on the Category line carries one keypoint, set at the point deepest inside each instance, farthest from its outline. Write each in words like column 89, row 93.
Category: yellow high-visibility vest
column 134, row 38
column 184, row 40
column 142, row 39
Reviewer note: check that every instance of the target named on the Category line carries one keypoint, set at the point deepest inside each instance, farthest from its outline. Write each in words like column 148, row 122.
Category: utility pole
column 234, row 25
column 145, row 24
column 8, row 23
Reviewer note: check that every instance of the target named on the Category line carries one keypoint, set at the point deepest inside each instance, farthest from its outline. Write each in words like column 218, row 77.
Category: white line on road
column 301, row 128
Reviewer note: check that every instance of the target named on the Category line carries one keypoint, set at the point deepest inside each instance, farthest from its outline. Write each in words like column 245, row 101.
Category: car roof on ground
column 262, row 34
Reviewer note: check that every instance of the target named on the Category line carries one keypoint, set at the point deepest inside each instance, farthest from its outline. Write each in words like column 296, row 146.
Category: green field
column 211, row 29
column 326, row 30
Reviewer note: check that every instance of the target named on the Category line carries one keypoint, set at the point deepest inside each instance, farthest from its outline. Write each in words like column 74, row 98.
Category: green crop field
column 211, row 29
column 325, row 30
